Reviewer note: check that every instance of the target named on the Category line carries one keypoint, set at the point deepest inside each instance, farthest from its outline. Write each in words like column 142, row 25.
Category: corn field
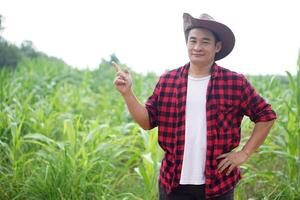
column 66, row 134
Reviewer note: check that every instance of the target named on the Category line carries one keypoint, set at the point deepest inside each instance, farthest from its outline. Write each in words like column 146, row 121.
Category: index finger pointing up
column 116, row 66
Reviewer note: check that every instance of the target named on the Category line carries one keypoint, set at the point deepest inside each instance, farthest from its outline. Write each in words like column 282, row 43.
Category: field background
column 66, row 134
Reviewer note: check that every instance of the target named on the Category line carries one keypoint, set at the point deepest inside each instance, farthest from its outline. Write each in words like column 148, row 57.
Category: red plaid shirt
column 229, row 97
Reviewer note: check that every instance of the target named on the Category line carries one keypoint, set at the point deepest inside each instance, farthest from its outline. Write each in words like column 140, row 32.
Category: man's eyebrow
column 206, row 38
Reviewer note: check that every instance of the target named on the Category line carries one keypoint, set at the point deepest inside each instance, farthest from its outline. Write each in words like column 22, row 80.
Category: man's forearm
column 258, row 136
column 138, row 112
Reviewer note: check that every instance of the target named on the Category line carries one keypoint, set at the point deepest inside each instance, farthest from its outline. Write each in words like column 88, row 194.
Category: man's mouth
column 198, row 55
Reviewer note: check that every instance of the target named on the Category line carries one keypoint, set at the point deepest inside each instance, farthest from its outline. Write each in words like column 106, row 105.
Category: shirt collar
column 213, row 70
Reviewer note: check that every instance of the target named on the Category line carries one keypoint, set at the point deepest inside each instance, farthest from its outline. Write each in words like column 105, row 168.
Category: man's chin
column 201, row 61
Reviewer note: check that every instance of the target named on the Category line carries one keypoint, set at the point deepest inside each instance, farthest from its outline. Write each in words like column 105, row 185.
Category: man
column 198, row 109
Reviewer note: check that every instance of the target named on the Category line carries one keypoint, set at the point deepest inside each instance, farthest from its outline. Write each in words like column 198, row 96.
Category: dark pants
column 190, row 192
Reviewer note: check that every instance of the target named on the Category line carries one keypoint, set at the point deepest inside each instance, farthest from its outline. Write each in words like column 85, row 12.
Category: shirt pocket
column 225, row 116
column 224, row 124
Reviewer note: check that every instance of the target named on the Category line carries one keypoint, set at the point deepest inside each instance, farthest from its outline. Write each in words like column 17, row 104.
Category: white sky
column 148, row 35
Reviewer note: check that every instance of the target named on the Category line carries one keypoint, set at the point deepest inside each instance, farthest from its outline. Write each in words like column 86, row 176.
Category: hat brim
column 223, row 32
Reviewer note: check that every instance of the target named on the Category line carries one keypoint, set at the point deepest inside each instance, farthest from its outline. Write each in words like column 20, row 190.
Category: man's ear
column 218, row 46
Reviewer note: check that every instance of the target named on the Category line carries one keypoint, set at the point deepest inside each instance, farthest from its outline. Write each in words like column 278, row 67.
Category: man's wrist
column 246, row 152
column 127, row 94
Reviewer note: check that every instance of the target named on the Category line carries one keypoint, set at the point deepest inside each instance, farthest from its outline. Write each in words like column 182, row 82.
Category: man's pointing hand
column 123, row 80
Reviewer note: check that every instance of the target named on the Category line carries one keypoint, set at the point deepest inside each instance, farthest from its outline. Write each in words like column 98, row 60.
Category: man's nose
column 198, row 46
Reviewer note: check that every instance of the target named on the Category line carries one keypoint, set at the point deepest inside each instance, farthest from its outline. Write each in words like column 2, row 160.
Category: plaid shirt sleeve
column 254, row 106
column 151, row 106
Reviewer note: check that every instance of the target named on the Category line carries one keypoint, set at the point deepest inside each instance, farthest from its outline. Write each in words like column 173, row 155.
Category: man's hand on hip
column 231, row 160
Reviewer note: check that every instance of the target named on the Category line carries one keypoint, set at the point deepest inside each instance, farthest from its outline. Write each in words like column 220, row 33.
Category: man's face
column 202, row 46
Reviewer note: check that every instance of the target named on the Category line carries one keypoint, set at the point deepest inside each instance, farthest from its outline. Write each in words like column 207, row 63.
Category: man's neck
column 199, row 71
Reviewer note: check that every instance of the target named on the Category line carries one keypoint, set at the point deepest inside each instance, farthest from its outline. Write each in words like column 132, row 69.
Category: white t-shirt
column 194, row 156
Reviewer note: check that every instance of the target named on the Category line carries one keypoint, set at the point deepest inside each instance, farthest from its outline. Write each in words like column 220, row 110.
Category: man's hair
column 216, row 37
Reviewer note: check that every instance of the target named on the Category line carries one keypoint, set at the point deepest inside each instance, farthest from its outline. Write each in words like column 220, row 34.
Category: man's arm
column 123, row 83
column 258, row 136
column 138, row 112
column 235, row 159
column 260, row 112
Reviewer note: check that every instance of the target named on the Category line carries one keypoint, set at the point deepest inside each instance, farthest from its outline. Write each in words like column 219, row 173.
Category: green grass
column 66, row 134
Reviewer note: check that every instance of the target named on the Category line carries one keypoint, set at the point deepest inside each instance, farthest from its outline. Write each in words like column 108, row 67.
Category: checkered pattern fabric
column 229, row 97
